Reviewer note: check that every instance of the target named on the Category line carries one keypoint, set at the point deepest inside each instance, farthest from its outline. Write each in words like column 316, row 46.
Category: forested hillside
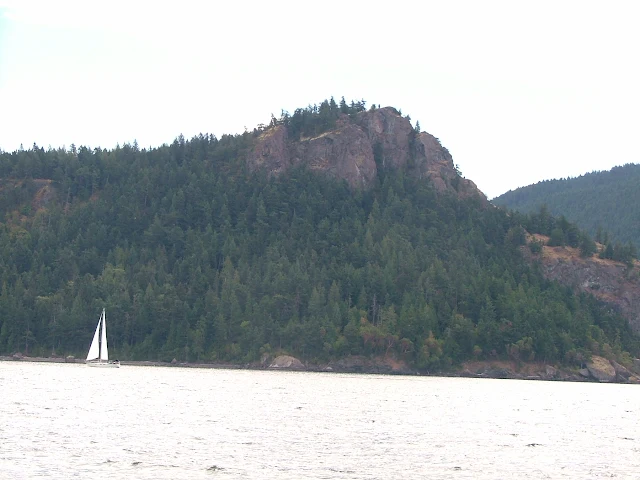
column 197, row 258
column 602, row 203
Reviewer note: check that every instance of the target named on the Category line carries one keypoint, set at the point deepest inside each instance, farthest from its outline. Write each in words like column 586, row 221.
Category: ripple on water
column 60, row 421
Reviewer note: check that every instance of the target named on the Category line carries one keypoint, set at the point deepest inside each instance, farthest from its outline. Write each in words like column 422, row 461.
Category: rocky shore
column 598, row 369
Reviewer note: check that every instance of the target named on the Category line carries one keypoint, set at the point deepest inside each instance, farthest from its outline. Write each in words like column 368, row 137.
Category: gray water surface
column 70, row 421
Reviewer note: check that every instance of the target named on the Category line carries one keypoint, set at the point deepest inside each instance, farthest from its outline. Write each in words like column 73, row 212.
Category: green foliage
column 314, row 120
column 535, row 247
column 516, row 236
column 196, row 259
column 556, row 239
column 563, row 233
column 587, row 246
column 595, row 202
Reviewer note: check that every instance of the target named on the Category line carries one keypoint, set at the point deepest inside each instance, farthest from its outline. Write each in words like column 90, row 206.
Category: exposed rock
column 286, row 361
column 390, row 132
column 46, row 194
column 17, row 356
column 362, row 364
column 601, row 369
column 271, row 151
column 550, row 372
column 569, row 376
column 344, row 153
column 264, row 359
column 610, row 281
column 347, row 152
column 621, row 371
column 584, row 372
column 636, row 365
column 174, row 361
column 498, row 373
column 70, row 359
column 435, row 162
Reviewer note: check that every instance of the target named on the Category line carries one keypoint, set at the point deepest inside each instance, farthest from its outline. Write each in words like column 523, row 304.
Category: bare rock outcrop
column 362, row 364
column 390, row 133
column 601, row 369
column 271, row 151
column 286, row 362
column 46, row 193
column 612, row 282
column 621, row 371
column 344, row 153
column 357, row 147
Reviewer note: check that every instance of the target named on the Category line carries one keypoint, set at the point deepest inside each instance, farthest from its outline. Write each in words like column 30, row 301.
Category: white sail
column 95, row 344
column 104, row 352
column 98, row 355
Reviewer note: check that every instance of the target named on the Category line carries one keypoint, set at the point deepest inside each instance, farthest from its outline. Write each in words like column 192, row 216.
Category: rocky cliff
column 613, row 282
column 357, row 147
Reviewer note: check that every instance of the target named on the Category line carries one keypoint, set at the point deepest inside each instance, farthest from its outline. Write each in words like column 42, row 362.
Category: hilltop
column 337, row 235
column 355, row 147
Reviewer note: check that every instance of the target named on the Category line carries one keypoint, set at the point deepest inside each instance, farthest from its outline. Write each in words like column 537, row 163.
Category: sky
column 518, row 92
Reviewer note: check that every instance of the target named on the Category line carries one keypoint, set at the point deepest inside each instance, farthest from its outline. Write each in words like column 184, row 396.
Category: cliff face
column 357, row 147
column 612, row 282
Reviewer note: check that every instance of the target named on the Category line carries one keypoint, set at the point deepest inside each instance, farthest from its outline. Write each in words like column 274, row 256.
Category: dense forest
column 197, row 259
column 602, row 203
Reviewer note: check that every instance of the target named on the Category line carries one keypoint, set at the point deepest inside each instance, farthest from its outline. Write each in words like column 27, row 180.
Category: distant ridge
column 605, row 200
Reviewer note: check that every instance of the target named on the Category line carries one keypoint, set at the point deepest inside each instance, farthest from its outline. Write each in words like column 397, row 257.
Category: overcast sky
column 517, row 91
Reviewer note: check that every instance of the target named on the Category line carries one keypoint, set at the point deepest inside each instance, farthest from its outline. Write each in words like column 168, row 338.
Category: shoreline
column 483, row 369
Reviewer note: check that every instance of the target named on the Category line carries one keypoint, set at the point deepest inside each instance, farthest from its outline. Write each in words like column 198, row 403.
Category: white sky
column 517, row 91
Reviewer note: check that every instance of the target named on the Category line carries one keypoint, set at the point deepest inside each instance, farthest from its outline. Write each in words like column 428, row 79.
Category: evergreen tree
column 198, row 259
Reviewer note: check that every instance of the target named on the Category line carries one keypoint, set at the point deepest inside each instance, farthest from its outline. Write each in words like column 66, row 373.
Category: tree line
column 197, row 259
column 600, row 203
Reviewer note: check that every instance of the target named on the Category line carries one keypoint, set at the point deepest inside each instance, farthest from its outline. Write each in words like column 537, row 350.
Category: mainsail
column 104, row 352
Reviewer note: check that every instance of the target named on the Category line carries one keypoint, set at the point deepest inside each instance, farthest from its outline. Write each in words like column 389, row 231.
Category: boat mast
column 100, row 337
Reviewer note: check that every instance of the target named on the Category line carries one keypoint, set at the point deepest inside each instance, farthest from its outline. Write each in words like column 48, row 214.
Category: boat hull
column 103, row 364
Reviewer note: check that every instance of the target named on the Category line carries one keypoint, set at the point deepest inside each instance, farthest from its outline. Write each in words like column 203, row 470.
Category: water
column 69, row 421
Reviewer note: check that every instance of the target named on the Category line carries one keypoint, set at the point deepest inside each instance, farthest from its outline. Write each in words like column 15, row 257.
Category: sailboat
column 98, row 355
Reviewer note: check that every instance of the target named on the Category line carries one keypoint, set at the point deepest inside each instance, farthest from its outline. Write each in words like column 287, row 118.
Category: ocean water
column 64, row 421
